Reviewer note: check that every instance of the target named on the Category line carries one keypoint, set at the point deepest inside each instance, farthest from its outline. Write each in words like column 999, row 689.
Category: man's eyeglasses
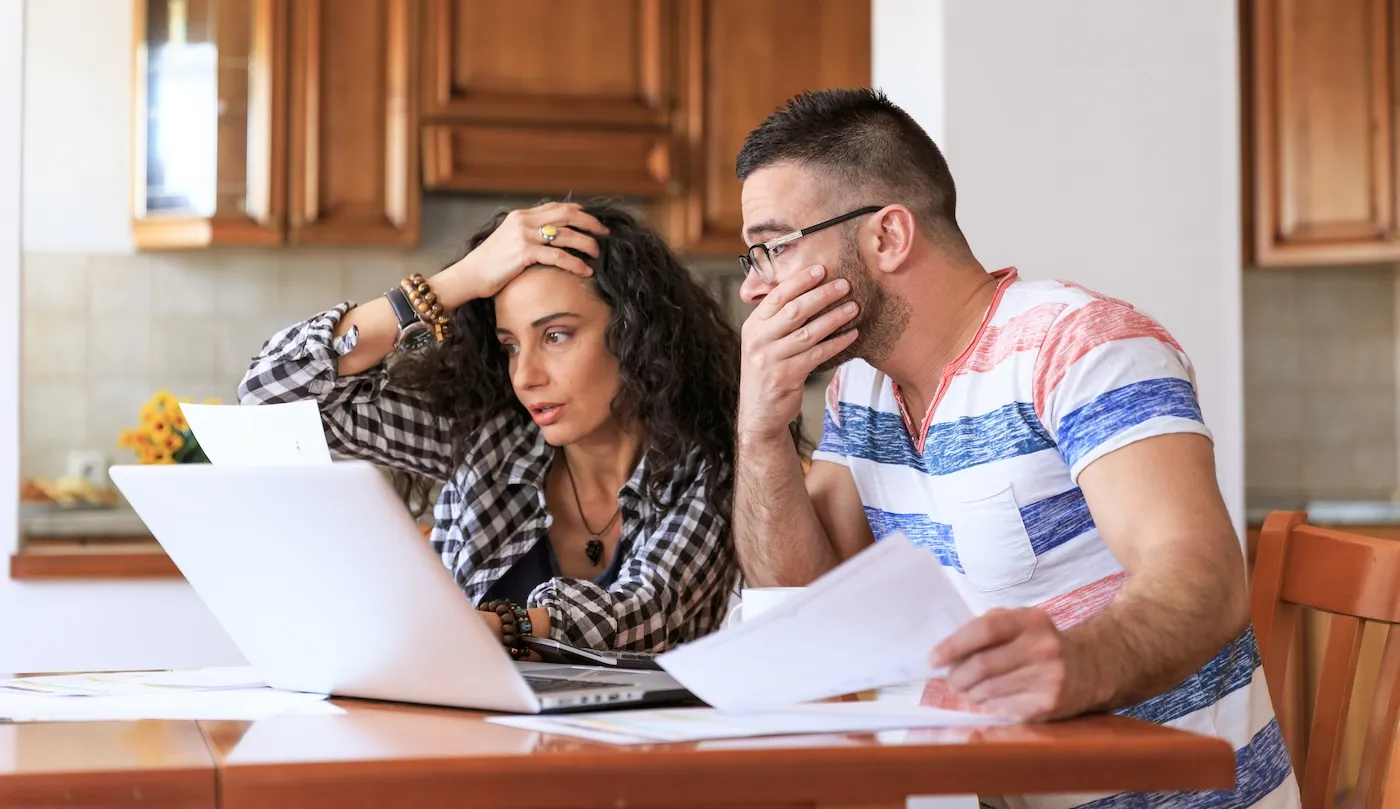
column 760, row 257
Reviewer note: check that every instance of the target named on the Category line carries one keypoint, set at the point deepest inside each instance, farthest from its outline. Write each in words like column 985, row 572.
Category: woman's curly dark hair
column 678, row 357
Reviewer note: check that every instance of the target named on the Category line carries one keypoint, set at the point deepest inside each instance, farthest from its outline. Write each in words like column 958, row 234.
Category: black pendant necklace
column 594, row 548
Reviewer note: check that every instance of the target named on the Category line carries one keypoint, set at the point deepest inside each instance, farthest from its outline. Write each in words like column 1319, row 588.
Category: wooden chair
column 1355, row 579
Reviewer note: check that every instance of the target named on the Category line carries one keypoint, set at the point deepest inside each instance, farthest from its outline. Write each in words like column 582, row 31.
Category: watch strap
column 403, row 310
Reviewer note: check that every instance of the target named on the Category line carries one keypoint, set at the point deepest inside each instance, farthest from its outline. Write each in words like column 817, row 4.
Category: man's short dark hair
column 864, row 142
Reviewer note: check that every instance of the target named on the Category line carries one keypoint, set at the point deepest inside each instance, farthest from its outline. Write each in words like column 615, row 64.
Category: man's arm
column 789, row 534
column 1158, row 509
column 1115, row 391
column 783, row 537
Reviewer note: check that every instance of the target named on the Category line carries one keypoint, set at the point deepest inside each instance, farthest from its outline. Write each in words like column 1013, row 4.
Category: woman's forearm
column 379, row 326
column 378, row 331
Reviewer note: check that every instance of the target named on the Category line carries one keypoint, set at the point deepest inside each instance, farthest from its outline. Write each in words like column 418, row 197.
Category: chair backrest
column 1355, row 579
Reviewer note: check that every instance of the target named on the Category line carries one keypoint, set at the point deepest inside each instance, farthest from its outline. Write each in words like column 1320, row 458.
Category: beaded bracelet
column 425, row 302
column 515, row 626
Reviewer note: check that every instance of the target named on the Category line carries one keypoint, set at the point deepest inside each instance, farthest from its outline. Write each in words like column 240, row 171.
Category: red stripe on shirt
column 1085, row 602
column 1091, row 293
column 1024, row 332
column 1094, row 324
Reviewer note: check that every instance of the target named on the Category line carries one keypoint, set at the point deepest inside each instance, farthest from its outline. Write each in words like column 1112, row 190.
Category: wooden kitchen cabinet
column 648, row 99
column 741, row 59
column 272, row 122
column 209, row 122
column 535, row 96
column 1319, row 119
column 354, row 139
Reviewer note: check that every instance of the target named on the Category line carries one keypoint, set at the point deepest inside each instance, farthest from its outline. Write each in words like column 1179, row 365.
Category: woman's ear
column 890, row 239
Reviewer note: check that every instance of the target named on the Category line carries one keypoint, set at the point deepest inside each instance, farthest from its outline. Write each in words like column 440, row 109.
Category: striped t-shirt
column 1056, row 377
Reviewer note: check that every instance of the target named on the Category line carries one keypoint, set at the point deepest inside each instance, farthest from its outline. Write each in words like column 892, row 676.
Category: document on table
column 259, row 435
column 105, row 683
column 235, row 693
column 241, row 704
column 701, row 724
column 869, row 623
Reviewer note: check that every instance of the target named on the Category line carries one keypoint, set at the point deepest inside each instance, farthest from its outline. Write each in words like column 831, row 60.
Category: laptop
column 323, row 581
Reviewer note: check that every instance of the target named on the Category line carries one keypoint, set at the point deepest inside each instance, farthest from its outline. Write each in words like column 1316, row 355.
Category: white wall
column 11, row 96
column 75, row 123
column 77, row 126
column 1096, row 141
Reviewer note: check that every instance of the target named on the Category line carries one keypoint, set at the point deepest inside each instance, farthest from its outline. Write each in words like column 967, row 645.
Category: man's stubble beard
column 881, row 319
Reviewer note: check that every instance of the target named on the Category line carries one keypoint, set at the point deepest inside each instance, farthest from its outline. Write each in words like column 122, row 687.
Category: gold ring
column 549, row 233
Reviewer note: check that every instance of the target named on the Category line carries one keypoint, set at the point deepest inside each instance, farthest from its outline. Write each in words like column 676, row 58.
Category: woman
column 576, row 407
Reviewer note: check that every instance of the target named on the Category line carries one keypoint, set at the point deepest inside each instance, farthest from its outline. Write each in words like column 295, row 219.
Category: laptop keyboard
column 545, row 685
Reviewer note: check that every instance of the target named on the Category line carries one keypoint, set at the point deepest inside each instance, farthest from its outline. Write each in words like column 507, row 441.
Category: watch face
column 415, row 337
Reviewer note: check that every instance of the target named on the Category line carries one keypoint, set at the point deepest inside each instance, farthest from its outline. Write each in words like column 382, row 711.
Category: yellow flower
column 159, row 429
column 165, row 400
column 161, row 456
column 149, row 412
column 177, row 419
column 172, row 442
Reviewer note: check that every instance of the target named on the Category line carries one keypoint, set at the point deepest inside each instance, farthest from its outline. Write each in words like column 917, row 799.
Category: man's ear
column 889, row 238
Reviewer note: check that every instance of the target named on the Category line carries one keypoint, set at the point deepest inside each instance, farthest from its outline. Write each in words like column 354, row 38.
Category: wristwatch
column 413, row 332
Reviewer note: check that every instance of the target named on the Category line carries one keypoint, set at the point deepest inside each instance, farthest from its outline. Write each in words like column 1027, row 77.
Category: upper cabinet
column 740, row 60
column 1320, row 92
column 643, row 98
column 289, row 122
column 210, row 122
column 268, row 122
column 535, row 96
column 354, row 125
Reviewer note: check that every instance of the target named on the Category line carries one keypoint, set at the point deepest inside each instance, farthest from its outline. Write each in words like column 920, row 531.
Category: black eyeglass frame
column 750, row 262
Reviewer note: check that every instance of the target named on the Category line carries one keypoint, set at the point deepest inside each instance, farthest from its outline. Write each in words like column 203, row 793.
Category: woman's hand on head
column 517, row 244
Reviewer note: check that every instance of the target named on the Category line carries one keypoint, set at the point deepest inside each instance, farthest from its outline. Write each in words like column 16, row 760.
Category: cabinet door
column 584, row 62
column 741, row 60
column 537, row 96
column 1322, row 122
column 354, row 139
column 210, row 123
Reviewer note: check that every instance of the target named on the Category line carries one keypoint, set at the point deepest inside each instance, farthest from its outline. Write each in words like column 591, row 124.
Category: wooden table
column 380, row 754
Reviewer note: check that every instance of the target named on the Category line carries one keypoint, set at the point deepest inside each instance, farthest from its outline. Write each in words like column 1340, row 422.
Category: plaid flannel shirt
column 679, row 565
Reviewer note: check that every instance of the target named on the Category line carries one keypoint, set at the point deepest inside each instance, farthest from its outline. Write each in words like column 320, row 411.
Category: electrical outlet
column 90, row 465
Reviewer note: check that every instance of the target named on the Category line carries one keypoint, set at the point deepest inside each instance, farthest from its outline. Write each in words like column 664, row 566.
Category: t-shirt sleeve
column 1109, row 375
column 832, row 447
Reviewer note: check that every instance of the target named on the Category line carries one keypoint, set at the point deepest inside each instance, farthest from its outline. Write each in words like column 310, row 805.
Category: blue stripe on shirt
column 873, row 435
column 1112, row 412
column 1231, row 669
column 1049, row 523
column 1260, row 767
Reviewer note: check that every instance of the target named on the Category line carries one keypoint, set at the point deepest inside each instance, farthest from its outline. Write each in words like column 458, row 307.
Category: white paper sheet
column 239, row 704
column 700, row 724
column 135, row 682
column 869, row 623
column 259, row 435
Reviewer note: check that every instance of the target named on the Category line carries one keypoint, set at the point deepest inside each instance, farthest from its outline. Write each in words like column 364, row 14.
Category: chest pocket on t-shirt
column 989, row 535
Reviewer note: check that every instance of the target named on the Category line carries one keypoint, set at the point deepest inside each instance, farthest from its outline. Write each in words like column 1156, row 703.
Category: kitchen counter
column 1332, row 512
column 86, row 543
column 118, row 522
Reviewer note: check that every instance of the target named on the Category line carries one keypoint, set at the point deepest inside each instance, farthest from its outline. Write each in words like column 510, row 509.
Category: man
column 1043, row 441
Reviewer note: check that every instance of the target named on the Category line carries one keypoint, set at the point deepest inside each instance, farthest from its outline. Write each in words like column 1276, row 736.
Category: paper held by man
column 819, row 643
column 769, row 675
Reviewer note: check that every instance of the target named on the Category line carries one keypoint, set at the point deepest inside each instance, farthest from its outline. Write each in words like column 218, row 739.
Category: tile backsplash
column 1320, row 385
column 103, row 332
